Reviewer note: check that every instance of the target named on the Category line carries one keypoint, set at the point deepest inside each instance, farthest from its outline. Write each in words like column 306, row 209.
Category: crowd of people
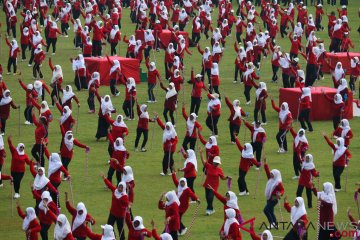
column 97, row 23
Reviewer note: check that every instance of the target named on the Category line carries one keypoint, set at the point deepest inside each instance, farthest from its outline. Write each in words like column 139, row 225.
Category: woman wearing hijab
column 107, row 233
column 142, row 126
column 236, row 112
column 47, row 211
column 213, row 113
column 300, row 146
column 344, row 131
column 196, row 92
column 66, row 119
column 80, row 218
column 337, row 107
column 327, row 211
column 40, row 87
column 305, row 108
column 106, row 108
column 79, row 68
column 341, row 157
column 6, row 102
column 260, row 102
column 52, row 37
column 190, row 167
column 130, row 98
column 18, row 160
column 62, row 229
column 285, row 121
column 307, row 173
column 131, row 46
column 68, row 97
column 248, row 79
column 56, row 81
column 170, row 104
column 137, row 230
column 231, row 227
column 337, row 73
column 169, row 141
column 258, row 138
column 298, row 218
column 2, row 159
column 39, row 57
column 211, row 148
column 192, row 127
column 246, row 161
column 31, row 225
column 206, row 62
column 119, row 128
column 115, row 75
column 169, row 59
column 41, row 182
column 114, row 38
column 265, row 235
column 171, row 207
column 343, row 90
column 128, row 178
column 273, row 191
column 153, row 75
column 213, row 173
column 240, row 62
column 92, row 86
column 14, row 50
column 44, row 111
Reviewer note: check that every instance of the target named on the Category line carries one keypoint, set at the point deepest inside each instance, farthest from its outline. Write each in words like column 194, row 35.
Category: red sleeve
column 22, row 214
column 238, row 144
column 53, row 216
column 184, row 113
column 348, row 154
column 330, row 143
column 23, row 85
column 274, row 106
column 155, row 235
column 161, row 124
column 71, row 210
column 176, row 182
column 36, row 195
column 228, row 103
column 51, row 65
column 59, row 107
column 129, row 222
column 220, row 197
column 93, row 236
column 202, row 140
column 79, row 144
column 51, row 188
column 63, row 169
column 161, row 205
column 267, row 170
column 287, row 207
column 293, row 133
column 108, row 119
column 32, row 169
column 35, row 104
column 109, row 185
column 11, row 146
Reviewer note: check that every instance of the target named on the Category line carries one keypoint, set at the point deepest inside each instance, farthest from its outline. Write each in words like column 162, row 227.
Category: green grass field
column 147, row 166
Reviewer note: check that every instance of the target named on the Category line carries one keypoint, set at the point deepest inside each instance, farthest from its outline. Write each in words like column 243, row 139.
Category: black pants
column 257, row 148
column 293, row 235
column 283, row 31
column 119, row 223
column 17, row 177
column 328, row 234
column 336, row 122
column 281, row 139
column 296, row 164
column 215, row 89
column 37, row 70
column 233, row 129
column 31, row 56
column 209, row 195
column 352, row 83
column 167, row 162
column 263, row 115
column 171, row 113
column 91, row 101
column 12, row 61
column 188, row 140
column 113, row 48
column 27, row 113
column 55, row 92
column 311, row 74
column 304, row 116
column 241, row 181
column 64, row 27
column 147, row 51
column 3, row 124
column 286, row 80
column 80, row 82
column 335, row 45
column 182, row 226
column 190, row 183
column 151, row 95
column 110, row 174
column 247, row 92
column 23, row 51
column 308, row 194
column 128, row 108
column 113, row 88
column 65, row 162
column 38, row 153
column 52, row 41
column 337, row 171
column 195, row 38
column 269, row 211
column 275, row 69
column 174, row 235
column 208, row 73
column 211, row 123
column 140, row 131
column 96, row 48
column 44, row 231
column 238, row 72
column 195, row 105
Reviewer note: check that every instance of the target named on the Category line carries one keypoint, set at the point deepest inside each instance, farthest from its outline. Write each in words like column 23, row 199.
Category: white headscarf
column 191, row 158
column 306, row 92
column 262, row 86
column 1, row 142
column 272, row 183
column 215, row 69
column 206, row 55
column 94, row 77
column 233, row 202
column 171, row 92
column 181, row 189
column 121, row 123
column 131, row 84
column 14, row 46
column 190, row 125
column 119, row 147
column 299, row 139
column 45, row 195
column 169, row 134
column 216, row 48
column 114, row 31
column 298, row 212
column 30, row 215
column 60, row 233
column 57, row 73
column 171, row 198
column 66, row 115
column 79, row 219
column 248, row 152
column 108, row 233
column 141, row 225
column 339, row 99
column 106, row 107
column 283, row 113
column 328, row 195
column 208, row 145
column 129, row 176
column 213, row 102
column 268, row 233
column 343, row 85
column 144, row 114
column 340, row 150
column 67, row 94
column 308, row 165
column 256, row 131
column 237, row 109
column 338, row 72
column 119, row 194
column 345, row 126
column 69, row 143
column 5, row 99
column 40, row 181
column 230, row 219
column 54, row 163
column 166, row 236
column 44, row 109
column 20, row 153
column 115, row 66
column 148, row 36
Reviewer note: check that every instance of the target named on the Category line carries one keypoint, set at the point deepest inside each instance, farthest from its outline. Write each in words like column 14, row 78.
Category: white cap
column 217, row 160
column 157, row 21
column 343, row 6
column 296, row 59
column 29, row 86
column 198, row 76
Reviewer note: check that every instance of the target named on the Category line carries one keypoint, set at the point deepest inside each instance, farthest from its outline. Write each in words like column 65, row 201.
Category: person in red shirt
column 130, row 46
column 62, row 228
column 184, row 193
column 305, row 108
column 308, row 172
column 248, row 79
column 119, row 205
column 170, row 104
column 2, row 85
column 106, row 108
column 52, row 37
column 172, row 216
column 354, row 72
column 260, row 102
column 285, row 121
column 5, row 103
column 298, row 217
column 258, row 138
column 231, row 226
column 30, row 94
column 196, row 93
column 337, row 107
column 24, row 41
column 346, row 43
column 213, row 173
column 44, row 110
column 153, row 75
column 206, row 62
column 236, row 112
column 191, row 126
column 128, row 178
column 169, row 141
column 80, row 218
column 41, row 134
column 273, row 191
column 213, row 112
column 143, row 126
column 115, row 76
column 344, row 131
column 300, row 147
column 337, row 36
column 341, row 157
column 14, row 50
column 114, row 37
column 68, row 97
column 130, row 98
column 39, row 57
column 92, row 86
column 318, row 17
column 137, row 230
column 31, row 225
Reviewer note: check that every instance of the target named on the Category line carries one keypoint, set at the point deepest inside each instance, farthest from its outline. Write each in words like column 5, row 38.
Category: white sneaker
column 264, row 123
column 1, row 185
column 207, row 212
column 53, row 53
column 143, row 149
column 117, row 94
column 136, row 150
column 282, row 150
column 162, row 174
column 233, row 142
column 211, row 212
column 234, row 81
column 242, row 193
column 169, row 174
column 149, row 101
column 279, row 150
column 29, row 65
column 193, row 202
column 247, row 103
column 183, row 231
column 337, row 189
column 257, row 168
column 16, row 196
column 295, row 177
